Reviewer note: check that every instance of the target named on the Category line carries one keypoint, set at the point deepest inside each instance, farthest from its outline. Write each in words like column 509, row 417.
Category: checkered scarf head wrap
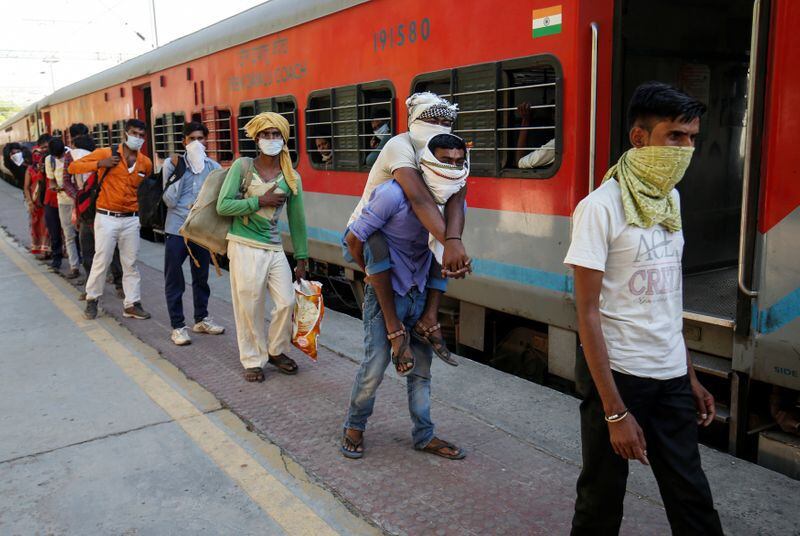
column 427, row 105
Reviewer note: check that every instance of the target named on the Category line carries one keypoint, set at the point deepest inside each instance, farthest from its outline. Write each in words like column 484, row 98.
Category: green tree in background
column 7, row 109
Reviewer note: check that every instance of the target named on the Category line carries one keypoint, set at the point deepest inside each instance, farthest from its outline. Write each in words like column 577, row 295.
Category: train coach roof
column 264, row 19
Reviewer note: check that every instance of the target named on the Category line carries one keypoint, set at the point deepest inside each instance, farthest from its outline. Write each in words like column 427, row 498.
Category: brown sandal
column 255, row 374
column 423, row 334
column 403, row 355
column 283, row 363
column 439, row 450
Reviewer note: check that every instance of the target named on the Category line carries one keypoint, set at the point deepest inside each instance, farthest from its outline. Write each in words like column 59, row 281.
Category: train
column 330, row 65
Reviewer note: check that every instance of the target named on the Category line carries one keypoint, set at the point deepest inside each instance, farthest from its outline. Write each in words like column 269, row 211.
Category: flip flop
column 352, row 454
column 438, row 451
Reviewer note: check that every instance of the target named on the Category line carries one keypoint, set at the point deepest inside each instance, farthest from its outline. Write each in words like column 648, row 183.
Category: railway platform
column 521, row 438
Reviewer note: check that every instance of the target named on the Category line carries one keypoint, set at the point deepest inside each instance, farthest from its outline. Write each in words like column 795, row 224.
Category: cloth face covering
column 646, row 178
column 421, row 132
column 443, row 180
column 266, row 120
column 270, row 147
column 134, row 143
column 17, row 158
column 196, row 156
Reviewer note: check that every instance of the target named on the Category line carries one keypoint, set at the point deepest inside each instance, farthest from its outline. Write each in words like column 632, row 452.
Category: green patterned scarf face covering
column 646, row 178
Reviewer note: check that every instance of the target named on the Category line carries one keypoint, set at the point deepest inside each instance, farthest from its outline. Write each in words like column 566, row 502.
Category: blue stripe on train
column 485, row 267
column 778, row 314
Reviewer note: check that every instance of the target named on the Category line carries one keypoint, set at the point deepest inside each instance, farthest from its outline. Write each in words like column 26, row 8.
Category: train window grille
column 117, row 129
column 168, row 134
column 101, row 135
column 344, row 117
column 219, row 143
column 488, row 96
column 284, row 105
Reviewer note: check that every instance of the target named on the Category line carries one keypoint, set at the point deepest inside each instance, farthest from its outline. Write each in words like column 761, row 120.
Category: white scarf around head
column 443, row 180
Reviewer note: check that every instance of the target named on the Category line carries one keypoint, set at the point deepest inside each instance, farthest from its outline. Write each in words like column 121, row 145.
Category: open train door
column 142, row 107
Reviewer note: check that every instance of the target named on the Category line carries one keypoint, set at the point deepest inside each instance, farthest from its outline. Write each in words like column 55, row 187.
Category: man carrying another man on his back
column 117, row 219
column 183, row 177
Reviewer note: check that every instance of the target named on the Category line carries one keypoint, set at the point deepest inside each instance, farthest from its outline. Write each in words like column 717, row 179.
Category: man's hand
column 704, row 402
column 456, row 264
column 524, row 111
column 300, row 269
column 109, row 162
column 627, row 439
column 271, row 199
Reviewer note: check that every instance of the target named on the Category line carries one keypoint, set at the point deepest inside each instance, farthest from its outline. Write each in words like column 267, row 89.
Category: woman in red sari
column 34, row 181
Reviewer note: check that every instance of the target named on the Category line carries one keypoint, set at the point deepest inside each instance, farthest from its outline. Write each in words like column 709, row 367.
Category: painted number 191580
column 401, row 34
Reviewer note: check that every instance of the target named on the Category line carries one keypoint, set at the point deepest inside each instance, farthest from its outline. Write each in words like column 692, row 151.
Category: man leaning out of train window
column 255, row 248
column 399, row 160
column 412, row 249
column 641, row 398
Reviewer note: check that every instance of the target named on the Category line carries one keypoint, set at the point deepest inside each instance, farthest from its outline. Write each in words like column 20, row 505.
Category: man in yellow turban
column 254, row 194
column 641, row 398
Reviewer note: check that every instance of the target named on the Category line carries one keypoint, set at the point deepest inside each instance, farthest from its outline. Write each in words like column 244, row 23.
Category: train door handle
column 748, row 149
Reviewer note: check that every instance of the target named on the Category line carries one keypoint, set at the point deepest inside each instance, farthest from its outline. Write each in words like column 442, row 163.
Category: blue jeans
column 377, row 356
column 376, row 257
column 175, row 254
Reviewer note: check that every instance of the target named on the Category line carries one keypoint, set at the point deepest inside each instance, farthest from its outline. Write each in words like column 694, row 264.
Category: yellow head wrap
column 267, row 120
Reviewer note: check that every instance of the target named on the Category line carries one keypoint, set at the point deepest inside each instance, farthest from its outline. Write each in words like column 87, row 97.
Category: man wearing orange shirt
column 117, row 221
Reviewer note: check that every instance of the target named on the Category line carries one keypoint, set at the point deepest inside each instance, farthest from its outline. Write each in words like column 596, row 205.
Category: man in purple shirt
column 390, row 213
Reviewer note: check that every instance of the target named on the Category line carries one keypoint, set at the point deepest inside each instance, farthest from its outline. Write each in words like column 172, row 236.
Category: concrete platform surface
column 522, row 439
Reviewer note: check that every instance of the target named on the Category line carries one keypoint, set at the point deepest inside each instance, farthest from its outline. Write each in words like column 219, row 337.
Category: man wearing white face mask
column 117, row 219
column 183, row 177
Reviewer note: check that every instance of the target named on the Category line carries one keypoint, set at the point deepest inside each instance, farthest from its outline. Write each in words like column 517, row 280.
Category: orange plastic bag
column 308, row 312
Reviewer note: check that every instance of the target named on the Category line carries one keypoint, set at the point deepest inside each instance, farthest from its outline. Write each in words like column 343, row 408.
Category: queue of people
column 641, row 398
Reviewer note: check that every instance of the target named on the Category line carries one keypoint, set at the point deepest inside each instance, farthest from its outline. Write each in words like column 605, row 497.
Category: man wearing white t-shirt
column 642, row 401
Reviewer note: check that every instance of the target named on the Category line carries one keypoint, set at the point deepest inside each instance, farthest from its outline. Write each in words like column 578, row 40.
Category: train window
column 285, row 105
column 168, row 134
column 489, row 96
column 101, row 135
column 220, row 133
column 117, row 129
column 339, row 124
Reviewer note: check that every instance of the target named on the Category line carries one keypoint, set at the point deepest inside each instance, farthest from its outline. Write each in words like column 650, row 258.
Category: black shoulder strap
column 177, row 172
column 114, row 152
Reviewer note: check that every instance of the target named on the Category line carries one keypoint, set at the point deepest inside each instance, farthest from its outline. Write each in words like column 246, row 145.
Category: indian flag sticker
column 546, row 21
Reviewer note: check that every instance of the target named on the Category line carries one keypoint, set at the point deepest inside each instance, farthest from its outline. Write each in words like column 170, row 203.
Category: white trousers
column 111, row 232
column 253, row 272
column 70, row 235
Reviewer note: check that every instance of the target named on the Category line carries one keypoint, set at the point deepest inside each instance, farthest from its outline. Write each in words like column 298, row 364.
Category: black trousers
column 666, row 412
column 53, row 223
column 86, row 239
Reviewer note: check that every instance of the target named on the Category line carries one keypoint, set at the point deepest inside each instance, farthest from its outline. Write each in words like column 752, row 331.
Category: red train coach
column 331, row 67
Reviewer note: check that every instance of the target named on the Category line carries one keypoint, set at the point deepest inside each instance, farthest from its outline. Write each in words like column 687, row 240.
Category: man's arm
column 703, row 400
column 93, row 161
column 456, row 263
column 627, row 438
column 356, row 249
column 26, row 186
column 172, row 193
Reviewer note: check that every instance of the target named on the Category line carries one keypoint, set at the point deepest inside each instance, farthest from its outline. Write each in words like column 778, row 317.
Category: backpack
column 152, row 210
column 204, row 225
column 86, row 198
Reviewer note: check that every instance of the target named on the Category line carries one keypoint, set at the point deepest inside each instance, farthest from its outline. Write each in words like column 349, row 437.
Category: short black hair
column 191, row 126
column 657, row 100
column 135, row 123
column 381, row 113
column 44, row 138
column 77, row 129
column 56, row 147
column 447, row 141
column 85, row 142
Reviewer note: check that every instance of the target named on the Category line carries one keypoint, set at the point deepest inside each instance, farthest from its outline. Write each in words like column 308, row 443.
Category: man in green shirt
column 255, row 194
